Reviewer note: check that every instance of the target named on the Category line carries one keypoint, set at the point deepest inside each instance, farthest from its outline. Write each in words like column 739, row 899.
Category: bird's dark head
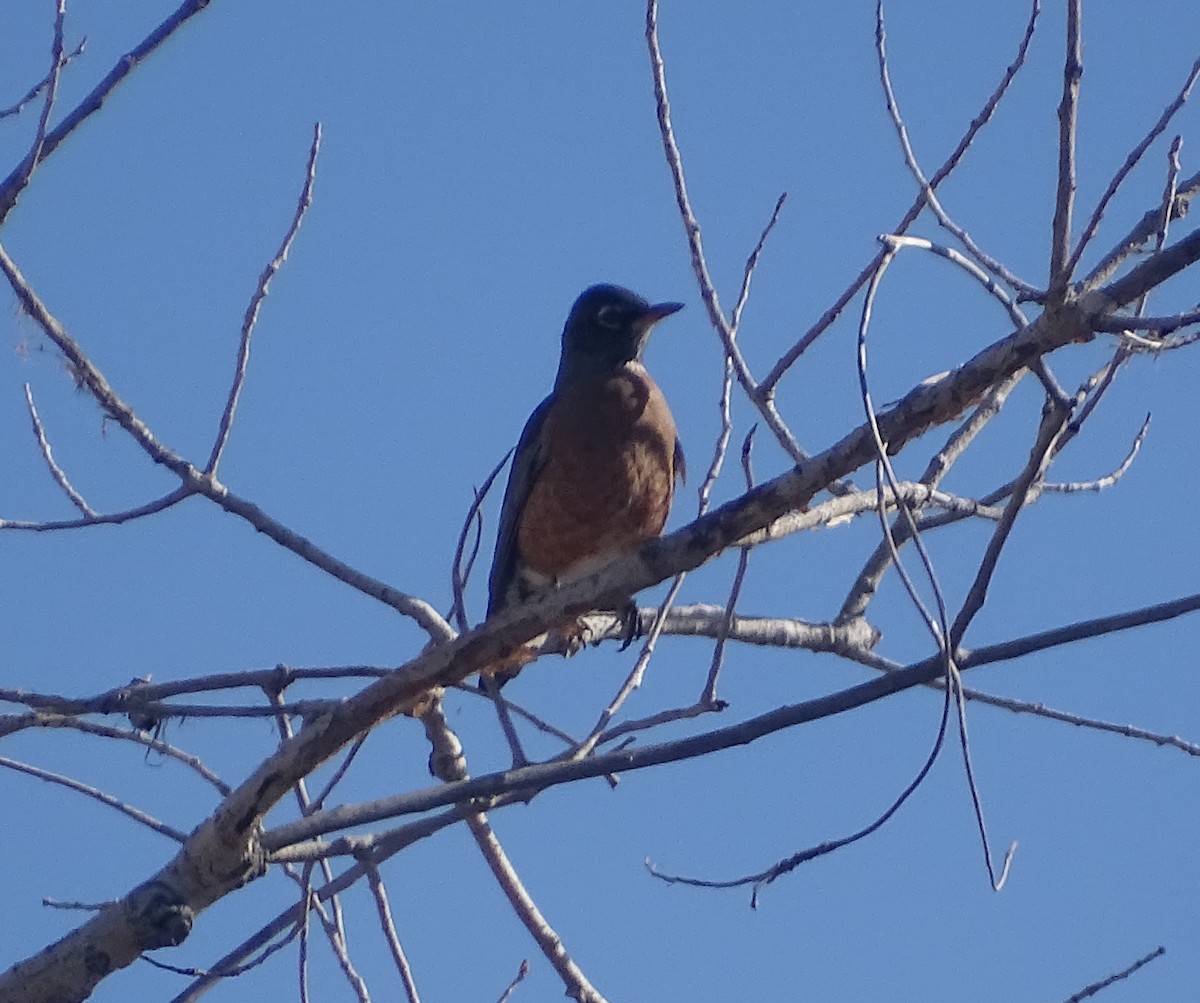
column 607, row 327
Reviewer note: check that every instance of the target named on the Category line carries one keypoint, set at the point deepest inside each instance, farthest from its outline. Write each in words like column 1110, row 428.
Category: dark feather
column 527, row 461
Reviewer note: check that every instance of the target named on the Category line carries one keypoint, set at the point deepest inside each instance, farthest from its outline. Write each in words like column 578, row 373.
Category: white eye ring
column 609, row 316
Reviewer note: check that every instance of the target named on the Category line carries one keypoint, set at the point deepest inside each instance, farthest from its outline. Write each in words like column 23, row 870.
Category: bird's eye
column 609, row 316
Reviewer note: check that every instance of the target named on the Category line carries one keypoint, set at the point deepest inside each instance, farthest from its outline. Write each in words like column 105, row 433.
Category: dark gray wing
column 679, row 462
column 526, row 463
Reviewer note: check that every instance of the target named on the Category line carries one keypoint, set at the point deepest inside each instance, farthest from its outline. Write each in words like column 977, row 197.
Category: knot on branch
column 159, row 916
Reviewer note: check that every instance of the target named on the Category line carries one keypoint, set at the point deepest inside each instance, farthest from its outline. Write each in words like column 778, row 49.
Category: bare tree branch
column 910, row 159
column 1131, row 161
column 20, row 178
column 11, row 186
column 708, row 293
column 788, row 359
column 1139, row 233
column 194, row 481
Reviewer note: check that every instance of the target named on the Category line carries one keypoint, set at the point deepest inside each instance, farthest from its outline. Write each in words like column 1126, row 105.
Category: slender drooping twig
column 56, row 471
column 96, row 795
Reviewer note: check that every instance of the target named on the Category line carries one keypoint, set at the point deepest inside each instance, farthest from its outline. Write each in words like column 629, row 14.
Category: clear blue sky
column 481, row 165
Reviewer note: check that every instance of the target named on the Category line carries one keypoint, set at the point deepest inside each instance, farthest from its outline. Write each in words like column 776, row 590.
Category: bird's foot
column 632, row 626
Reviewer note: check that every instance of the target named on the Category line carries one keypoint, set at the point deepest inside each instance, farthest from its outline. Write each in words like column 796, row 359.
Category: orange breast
column 607, row 478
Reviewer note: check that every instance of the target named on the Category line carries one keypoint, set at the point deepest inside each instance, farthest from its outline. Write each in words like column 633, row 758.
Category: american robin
column 595, row 467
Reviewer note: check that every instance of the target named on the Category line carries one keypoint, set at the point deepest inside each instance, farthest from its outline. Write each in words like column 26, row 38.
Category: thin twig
column 1016, row 315
column 910, row 159
column 256, row 301
column 577, row 985
column 883, row 466
column 447, row 750
column 726, row 428
column 1068, row 117
column 167, row 501
column 207, row 976
column 1131, row 161
column 302, row 953
column 1139, row 233
column 998, row 881
column 337, row 942
column 762, row 878
column 942, row 634
column 36, row 89
column 826, row 320
column 708, row 696
column 389, row 932
column 460, row 573
column 56, row 471
column 522, row 973
column 1004, row 651
column 1108, row 480
column 1088, row 723
column 691, row 225
column 1054, row 421
column 708, row 293
column 339, row 774
column 1095, row 987
column 1168, row 200
column 46, row 721
column 96, row 795
column 24, row 173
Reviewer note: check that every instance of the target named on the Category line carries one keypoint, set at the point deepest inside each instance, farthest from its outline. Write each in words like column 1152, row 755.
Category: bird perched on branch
column 594, row 471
